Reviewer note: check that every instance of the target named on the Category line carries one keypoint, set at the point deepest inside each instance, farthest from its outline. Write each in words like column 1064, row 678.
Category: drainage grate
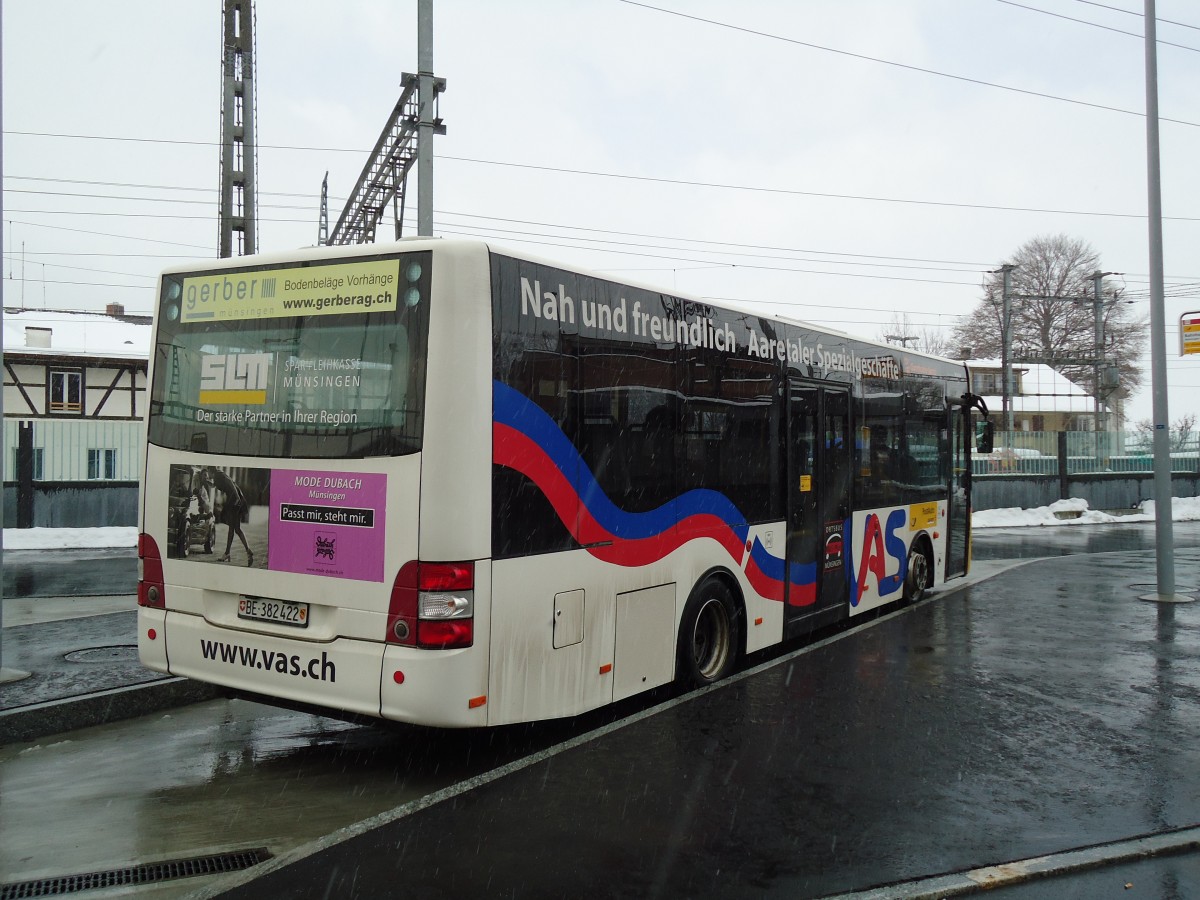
column 150, row 873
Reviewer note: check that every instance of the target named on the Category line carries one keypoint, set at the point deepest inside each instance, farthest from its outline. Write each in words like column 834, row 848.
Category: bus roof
column 409, row 244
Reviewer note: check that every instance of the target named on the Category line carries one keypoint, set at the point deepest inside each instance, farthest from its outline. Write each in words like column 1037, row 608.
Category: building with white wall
column 74, row 400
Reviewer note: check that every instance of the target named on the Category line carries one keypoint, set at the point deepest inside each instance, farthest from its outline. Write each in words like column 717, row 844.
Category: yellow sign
column 922, row 515
column 294, row 291
column 805, row 482
column 1189, row 333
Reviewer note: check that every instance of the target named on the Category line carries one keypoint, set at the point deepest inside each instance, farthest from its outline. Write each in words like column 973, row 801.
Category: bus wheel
column 708, row 635
column 917, row 580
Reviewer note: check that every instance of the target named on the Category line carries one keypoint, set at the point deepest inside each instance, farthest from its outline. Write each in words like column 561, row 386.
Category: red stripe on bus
column 515, row 450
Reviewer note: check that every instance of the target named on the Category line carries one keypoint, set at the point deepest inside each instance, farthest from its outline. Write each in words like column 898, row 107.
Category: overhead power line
column 905, row 66
column 1131, row 12
column 695, row 183
column 129, row 237
column 714, row 244
column 13, row 257
column 1046, row 12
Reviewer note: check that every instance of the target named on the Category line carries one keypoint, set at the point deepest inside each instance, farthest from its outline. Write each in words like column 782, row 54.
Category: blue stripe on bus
column 514, row 409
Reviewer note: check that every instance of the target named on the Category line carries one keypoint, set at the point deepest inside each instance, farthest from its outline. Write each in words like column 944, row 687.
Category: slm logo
column 238, row 372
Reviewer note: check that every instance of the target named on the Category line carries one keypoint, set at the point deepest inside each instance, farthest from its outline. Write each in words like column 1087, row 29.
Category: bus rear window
column 265, row 382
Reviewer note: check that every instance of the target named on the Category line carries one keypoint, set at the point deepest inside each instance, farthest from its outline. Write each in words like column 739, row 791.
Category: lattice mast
column 238, row 212
column 323, row 220
column 407, row 138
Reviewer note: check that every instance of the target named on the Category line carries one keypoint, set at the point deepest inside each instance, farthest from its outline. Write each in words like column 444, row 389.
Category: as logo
column 234, row 378
column 881, row 550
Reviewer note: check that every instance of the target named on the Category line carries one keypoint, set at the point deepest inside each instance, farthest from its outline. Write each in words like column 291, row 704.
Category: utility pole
column 1006, row 353
column 1164, row 546
column 6, row 675
column 1099, row 361
column 425, row 131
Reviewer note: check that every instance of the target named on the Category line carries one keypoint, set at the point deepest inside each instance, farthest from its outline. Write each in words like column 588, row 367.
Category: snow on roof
column 1040, row 388
column 75, row 334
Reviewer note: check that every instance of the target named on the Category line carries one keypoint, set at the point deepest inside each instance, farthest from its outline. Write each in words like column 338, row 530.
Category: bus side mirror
column 984, row 437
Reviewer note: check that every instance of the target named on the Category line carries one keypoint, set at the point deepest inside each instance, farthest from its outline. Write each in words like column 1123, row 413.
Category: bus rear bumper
column 441, row 688
column 152, row 644
column 340, row 675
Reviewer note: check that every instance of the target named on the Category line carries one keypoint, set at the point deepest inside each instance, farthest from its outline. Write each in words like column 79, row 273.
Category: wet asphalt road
column 1041, row 711
column 70, row 573
column 1068, row 540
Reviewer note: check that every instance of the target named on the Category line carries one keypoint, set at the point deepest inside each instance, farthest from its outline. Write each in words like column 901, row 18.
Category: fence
column 1081, row 453
column 1110, row 470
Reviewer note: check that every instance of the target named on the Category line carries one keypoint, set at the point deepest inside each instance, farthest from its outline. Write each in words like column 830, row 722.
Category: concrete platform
column 81, row 653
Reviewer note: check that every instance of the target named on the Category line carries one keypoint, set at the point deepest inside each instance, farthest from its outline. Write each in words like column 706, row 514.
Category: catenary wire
column 671, row 181
column 1131, row 12
column 899, row 65
column 1046, row 12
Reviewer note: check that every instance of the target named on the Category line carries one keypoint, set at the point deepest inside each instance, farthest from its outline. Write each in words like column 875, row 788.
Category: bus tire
column 708, row 634
column 917, row 581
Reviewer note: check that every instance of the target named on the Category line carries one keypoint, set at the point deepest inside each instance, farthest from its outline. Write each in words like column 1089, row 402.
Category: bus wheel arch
column 919, row 574
column 711, row 630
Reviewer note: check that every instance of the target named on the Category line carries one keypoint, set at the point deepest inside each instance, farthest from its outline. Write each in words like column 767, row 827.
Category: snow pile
column 69, row 538
column 1183, row 509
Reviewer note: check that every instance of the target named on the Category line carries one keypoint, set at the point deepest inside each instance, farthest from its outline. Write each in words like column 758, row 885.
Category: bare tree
column 900, row 330
column 1182, row 432
column 1053, row 316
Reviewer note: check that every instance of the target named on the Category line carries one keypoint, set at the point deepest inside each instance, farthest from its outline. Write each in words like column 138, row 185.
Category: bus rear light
column 151, row 586
column 444, row 605
column 432, row 605
column 446, row 635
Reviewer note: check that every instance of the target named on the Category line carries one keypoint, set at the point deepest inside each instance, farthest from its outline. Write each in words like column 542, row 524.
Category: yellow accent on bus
column 922, row 515
column 216, row 398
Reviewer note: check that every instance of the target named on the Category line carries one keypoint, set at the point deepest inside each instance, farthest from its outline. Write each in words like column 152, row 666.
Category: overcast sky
column 841, row 161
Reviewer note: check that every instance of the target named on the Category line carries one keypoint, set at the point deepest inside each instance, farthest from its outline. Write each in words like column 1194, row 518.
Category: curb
column 28, row 723
column 975, row 881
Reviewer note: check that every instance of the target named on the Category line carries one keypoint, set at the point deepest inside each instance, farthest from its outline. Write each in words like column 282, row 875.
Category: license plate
column 285, row 612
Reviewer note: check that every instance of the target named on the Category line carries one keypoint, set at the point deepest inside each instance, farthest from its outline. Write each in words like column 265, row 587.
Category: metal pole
column 1164, row 540
column 5, row 674
column 3, row 430
column 425, row 124
column 1098, row 365
column 249, row 150
column 1007, row 269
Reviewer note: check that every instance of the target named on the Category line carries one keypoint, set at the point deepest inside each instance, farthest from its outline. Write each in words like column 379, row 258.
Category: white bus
column 440, row 483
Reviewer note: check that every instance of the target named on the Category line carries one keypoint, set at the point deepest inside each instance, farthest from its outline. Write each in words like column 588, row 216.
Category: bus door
column 819, row 449
column 959, row 524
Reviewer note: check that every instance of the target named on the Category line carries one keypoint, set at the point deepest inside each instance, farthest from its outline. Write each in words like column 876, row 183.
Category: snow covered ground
column 68, row 538
column 1183, row 509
